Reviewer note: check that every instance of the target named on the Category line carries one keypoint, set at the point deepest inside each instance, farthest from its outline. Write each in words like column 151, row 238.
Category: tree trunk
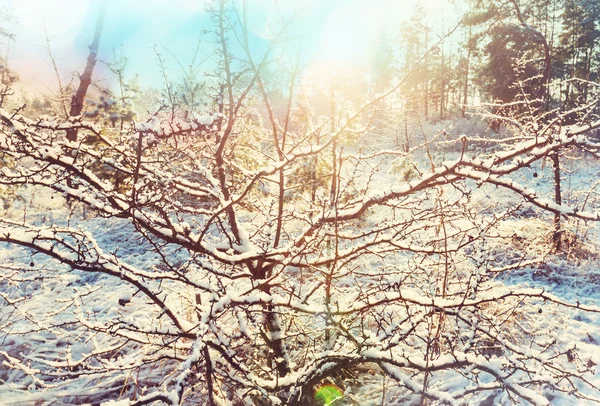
column 442, row 86
column 555, row 156
column 466, row 88
column 426, row 76
column 333, row 190
column 557, row 237
column 86, row 78
column 407, row 145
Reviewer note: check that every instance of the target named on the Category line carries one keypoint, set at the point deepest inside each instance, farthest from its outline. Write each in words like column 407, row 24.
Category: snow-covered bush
column 214, row 275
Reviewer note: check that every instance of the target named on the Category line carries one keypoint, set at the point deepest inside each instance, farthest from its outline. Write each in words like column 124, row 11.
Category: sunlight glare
column 57, row 17
column 342, row 36
column 351, row 30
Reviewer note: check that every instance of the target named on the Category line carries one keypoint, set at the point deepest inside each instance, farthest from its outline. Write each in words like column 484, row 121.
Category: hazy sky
column 342, row 31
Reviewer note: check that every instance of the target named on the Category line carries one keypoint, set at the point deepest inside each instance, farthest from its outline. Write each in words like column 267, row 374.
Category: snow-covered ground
column 44, row 289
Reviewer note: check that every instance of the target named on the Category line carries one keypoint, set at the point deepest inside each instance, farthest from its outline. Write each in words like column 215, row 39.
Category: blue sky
column 341, row 31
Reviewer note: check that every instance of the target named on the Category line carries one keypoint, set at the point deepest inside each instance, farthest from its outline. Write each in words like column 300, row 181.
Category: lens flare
column 328, row 393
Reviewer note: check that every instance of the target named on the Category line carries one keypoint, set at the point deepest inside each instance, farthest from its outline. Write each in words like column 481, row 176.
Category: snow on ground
column 574, row 277
column 46, row 287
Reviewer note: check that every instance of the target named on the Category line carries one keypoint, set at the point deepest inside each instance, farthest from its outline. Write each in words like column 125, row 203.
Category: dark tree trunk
column 557, row 237
column 86, row 78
